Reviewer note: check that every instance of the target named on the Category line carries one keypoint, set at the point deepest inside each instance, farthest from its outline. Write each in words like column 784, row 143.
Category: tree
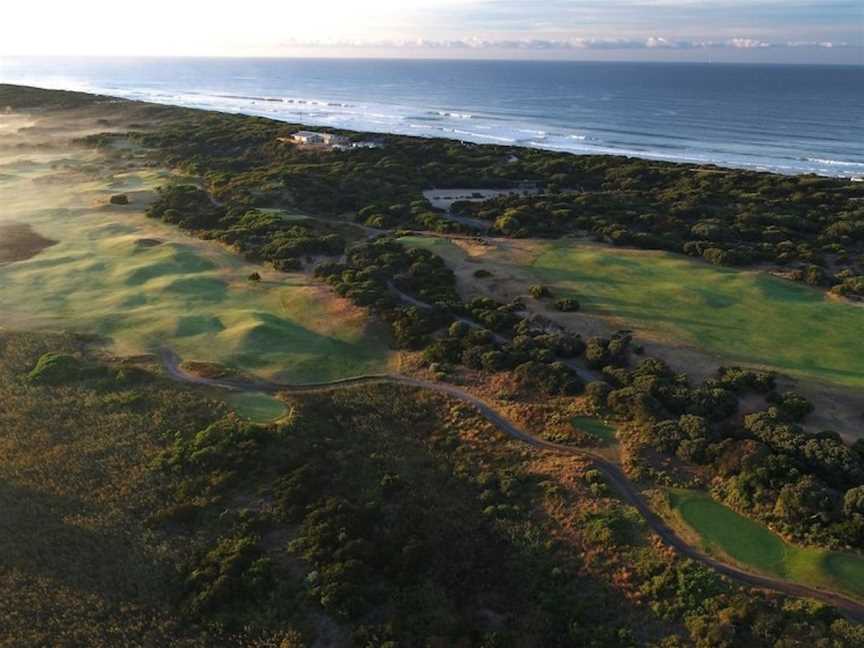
column 459, row 329
column 800, row 502
column 853, row 501
column 792, row 405
column 597, row 392
column 539, row 292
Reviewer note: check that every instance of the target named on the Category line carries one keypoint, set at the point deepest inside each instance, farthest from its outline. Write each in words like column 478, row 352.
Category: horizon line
column 435, row 59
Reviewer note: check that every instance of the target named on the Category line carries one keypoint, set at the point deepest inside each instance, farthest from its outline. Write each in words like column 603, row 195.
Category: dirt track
column 616, row 477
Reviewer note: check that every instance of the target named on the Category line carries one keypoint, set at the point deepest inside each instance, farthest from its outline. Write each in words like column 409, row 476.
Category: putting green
column 142, row 284
column 725, row 532
column 595, row 427
column 257, row 407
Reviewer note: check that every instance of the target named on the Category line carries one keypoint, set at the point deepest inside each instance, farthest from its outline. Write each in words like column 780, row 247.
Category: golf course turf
column 745, row 316
column 141, row 284
column 595, row 427
column 724, row 532
column 256, row 407
column 741, row 316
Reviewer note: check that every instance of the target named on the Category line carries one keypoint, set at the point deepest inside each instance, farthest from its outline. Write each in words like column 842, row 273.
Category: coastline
column 662, row 125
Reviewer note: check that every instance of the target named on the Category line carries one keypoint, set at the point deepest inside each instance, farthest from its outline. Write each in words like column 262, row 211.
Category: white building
column 311, row 138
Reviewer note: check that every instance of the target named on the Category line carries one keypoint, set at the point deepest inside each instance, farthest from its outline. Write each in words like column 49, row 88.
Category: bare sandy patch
column 18, row 242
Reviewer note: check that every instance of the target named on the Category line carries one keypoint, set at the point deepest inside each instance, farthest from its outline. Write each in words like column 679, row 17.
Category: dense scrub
column 375, row 516
column 812, row 225
column 408, row 521
column 79, row 565
column 257, row 235
column 415, row 291
column 763, row 464
column 15, row 97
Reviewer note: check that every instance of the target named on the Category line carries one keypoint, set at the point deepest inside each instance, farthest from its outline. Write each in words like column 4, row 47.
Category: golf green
column 723, row 531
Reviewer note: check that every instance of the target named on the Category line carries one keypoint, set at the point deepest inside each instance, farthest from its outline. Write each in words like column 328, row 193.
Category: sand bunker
column 18, row 242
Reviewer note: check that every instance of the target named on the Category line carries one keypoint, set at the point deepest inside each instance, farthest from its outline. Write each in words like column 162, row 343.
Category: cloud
column 651, row 42
column 747, row 43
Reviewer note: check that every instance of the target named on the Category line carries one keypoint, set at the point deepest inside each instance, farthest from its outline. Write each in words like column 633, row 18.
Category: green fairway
column 725, row 532
column 741, row 316
column 744, row 316
column 595, row 427
column 142, row 284
column 452, row 254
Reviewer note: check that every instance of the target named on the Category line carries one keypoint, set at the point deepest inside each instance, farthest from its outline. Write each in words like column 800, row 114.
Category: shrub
column 597, row 392
column 550, row 379
column 853, row 501
column 539, row 292
column 232, row 574
column 567, row 305
column 792, row 405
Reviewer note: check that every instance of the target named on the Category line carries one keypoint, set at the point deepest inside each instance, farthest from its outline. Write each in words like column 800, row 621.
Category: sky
column 799, row 31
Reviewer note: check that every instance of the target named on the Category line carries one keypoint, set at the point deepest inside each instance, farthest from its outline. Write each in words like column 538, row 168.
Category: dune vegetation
column 137, row 512
column 724, row 532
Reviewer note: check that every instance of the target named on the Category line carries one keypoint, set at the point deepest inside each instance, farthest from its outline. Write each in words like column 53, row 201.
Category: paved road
column 613, row 473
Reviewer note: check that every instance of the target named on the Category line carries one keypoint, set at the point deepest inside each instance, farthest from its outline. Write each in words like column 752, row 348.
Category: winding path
column 615, row 476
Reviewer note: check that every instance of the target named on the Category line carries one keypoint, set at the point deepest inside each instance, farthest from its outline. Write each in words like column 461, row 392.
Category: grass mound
column 198, row 325
column 163, row 261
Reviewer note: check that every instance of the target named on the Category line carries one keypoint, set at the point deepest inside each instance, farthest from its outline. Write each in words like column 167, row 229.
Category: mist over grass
column 142, row 285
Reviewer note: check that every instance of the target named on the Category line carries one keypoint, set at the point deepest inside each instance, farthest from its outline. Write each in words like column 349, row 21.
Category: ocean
column 784, row 118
